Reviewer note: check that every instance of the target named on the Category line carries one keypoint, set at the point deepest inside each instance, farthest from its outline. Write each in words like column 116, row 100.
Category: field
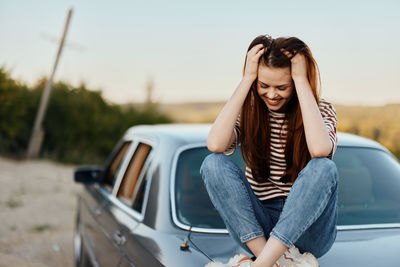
column 381, row 123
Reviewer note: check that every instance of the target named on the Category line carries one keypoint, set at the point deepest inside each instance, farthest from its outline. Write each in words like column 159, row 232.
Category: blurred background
column 142, row 62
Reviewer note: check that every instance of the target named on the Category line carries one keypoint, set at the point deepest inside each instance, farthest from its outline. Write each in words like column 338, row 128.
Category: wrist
column 300, row 80
column 248, row 80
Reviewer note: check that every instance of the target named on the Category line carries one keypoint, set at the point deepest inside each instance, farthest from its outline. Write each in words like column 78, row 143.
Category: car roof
column 184, row 133
column 197, row 133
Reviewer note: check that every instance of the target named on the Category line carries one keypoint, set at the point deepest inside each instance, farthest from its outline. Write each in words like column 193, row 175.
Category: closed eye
column 263, row 85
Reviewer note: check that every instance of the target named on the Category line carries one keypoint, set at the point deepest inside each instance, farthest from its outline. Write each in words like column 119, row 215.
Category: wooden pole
column 36, row 139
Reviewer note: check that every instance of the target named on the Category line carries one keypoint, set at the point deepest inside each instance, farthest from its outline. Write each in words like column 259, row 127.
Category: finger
column 259, row 53
column 255, row 49
column 287, row 53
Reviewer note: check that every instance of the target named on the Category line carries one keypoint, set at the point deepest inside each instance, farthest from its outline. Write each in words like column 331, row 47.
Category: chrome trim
column 172, row 194
column 124, row 166
column 367, row 226
column 139, row 216
column 150, row 170
column 121, row 205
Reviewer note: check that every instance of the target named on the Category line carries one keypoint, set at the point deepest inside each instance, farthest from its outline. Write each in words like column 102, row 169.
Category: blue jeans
column 306, row 218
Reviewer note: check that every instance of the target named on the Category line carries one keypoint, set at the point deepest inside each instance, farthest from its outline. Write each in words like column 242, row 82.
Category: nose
column 271, row 93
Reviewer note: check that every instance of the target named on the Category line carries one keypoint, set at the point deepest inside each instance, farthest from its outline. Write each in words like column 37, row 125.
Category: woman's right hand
column 252, row 59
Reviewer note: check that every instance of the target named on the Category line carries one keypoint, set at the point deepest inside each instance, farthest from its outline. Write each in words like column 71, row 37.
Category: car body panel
column 367, row 248
column 95, row 219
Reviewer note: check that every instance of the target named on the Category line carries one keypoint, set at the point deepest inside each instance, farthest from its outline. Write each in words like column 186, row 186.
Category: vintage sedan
column 148, row 206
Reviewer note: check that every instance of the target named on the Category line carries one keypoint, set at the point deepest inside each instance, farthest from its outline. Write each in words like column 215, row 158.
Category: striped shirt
column 273, row 187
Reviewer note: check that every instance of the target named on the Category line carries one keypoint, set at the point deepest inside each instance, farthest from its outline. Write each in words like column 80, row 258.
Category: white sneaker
column 293, row 258
column 240, row 260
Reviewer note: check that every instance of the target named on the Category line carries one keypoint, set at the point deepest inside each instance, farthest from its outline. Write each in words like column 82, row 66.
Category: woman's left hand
column 299, row 65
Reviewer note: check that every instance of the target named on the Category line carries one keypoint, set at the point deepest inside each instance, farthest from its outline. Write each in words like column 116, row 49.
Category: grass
column 12, row 203
column 40, row 228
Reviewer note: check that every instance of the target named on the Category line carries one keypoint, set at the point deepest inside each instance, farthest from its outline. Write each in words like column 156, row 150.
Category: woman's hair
column 254, row 118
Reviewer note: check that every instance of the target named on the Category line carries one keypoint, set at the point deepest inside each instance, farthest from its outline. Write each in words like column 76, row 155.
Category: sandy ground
column 37, row 213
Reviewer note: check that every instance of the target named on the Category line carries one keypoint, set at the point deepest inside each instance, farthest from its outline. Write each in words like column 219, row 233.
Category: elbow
column 321, row 152
column 214, row 147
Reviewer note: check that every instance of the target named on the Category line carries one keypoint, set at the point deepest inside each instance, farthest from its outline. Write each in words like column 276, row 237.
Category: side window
column 139, row 199
column 130, row 185
column 115, row 165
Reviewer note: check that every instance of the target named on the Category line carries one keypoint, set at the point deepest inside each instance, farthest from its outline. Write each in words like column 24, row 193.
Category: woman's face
column 275, row 87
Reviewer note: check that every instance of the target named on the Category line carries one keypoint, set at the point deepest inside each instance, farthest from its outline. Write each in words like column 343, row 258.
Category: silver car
column 147, row 206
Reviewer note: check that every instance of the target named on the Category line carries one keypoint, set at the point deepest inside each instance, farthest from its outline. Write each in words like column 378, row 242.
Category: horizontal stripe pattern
column 273, row 187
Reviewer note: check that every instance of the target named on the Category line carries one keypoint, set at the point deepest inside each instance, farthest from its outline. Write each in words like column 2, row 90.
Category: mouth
column 274, row 102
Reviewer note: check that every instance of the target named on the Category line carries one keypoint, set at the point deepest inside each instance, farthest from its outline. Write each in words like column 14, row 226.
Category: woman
column 286, row 201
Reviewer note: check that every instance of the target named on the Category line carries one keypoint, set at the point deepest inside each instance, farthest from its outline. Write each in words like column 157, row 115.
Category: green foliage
column 80, row 127
column 17, row 110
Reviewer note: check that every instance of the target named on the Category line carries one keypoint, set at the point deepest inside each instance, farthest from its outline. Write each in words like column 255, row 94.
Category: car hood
column 218, row 247
column 367, row 248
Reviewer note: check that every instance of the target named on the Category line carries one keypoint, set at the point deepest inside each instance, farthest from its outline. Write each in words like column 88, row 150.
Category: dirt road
column 37, row 212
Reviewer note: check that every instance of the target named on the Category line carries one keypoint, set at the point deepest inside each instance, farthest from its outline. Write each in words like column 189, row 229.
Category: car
column 147, row 206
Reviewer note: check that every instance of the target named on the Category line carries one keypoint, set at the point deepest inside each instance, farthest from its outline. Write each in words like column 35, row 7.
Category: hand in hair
column 252, row 60
column 299, row 65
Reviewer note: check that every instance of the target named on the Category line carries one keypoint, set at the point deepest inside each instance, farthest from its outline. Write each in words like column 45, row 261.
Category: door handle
column 119, row 238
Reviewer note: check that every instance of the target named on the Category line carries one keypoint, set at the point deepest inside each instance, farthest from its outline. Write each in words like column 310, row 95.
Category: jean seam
column 281, row 238
column 251, row 236
column 239, row 172
column 251, row 210
column 313, row 218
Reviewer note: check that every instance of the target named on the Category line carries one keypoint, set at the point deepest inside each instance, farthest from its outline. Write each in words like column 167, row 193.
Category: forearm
column 220, row 136
column 317, row 137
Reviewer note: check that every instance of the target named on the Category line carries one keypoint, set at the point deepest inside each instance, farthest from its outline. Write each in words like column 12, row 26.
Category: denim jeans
column 306, row 218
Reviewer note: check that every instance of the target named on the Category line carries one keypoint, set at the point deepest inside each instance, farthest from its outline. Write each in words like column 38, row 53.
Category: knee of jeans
column 327, row 169
column 210, row 165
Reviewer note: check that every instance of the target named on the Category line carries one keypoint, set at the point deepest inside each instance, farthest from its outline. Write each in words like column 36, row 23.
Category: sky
column 194, row 50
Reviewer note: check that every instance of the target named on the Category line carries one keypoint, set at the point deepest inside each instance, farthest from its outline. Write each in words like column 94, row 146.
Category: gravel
column 37, row 213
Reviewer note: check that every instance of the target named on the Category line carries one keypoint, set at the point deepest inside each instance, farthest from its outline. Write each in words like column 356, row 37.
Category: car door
column 95, row 216
column 131, row 196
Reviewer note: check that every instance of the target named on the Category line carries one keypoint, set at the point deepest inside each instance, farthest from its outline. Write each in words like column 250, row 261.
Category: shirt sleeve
column 236, row 130
column 328, row 113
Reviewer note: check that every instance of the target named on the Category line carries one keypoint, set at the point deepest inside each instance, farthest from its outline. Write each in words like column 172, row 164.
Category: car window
column 139, row 196
column 115, row 165
column 192, row 203
column 369, row 186
column 129, row 185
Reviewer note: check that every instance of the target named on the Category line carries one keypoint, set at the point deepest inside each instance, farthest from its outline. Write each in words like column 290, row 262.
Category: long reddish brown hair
column 254, row 118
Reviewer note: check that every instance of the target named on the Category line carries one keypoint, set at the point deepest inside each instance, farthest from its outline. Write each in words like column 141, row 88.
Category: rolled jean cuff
column 281, row 238
column 251, row 236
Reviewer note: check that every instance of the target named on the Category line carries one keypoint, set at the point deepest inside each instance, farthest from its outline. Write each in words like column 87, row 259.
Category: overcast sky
column 194, row 50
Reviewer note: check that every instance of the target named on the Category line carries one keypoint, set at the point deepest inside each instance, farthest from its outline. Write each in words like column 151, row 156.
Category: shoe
column 293, row 258
column 240, row 260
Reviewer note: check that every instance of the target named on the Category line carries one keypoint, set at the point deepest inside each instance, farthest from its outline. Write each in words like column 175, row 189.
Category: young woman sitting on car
column 285, row 203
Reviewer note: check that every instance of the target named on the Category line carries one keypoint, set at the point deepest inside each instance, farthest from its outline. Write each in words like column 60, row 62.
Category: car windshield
column 369, row 186
column 368, row 189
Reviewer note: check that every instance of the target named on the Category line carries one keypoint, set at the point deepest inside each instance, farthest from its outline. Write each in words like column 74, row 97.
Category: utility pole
column 35, row 142
column 149, row 93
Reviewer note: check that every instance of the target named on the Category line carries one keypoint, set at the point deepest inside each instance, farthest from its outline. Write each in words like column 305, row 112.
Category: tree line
column 80, row 126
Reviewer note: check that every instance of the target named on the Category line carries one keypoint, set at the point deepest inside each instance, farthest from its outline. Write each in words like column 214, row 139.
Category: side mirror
column 88, row 174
